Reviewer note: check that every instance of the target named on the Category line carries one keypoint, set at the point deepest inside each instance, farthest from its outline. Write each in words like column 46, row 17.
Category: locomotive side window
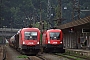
column 54, row 35
column 30, row 35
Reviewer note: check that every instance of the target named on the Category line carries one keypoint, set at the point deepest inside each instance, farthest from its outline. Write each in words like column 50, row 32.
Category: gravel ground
column 13, row 54
column 34, row 58
column 54, row 57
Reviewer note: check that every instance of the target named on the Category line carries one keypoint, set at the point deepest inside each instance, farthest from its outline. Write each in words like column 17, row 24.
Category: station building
column 77, row 33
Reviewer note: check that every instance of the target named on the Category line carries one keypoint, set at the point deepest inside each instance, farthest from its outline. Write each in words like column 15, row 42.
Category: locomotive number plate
column 54, row 42
column 30, row 43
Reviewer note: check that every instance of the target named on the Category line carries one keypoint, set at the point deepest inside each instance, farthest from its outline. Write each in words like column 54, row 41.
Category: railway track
column 51, row 56
column 14, row 55
column 72, row 57
column 66, row 56
column 32, row 57
column 36, row 58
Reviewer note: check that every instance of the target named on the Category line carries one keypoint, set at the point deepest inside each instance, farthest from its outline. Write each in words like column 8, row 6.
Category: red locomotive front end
column 53, row 39
column 30, row 38
column 27, row 40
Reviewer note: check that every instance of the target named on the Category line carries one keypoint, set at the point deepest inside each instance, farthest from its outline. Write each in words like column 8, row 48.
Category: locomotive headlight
column 23, row 42
column 37, row 42
column 61, row 42
column 48, row 41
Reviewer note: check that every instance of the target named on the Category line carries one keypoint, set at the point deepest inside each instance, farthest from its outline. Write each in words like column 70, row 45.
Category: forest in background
column 20, row 13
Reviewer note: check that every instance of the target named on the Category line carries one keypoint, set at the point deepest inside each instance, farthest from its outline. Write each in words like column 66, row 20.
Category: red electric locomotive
column 27, row 40
column 52, row 40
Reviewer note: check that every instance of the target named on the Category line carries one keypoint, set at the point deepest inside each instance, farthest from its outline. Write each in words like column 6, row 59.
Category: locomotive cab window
column 30, row 35
column 54, row 35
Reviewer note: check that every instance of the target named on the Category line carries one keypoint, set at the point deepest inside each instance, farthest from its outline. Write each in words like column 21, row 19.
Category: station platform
column 81, row 52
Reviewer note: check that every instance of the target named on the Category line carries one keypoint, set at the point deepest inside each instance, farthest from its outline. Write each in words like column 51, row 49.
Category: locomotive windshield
column 54, row 35
column 30, row 35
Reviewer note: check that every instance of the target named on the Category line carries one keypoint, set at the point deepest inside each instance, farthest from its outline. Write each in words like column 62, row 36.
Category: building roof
column 75, row 23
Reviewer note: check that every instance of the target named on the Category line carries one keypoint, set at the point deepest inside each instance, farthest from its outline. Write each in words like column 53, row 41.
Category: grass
column 77, row 55
column 22, row 56
column 70, row 57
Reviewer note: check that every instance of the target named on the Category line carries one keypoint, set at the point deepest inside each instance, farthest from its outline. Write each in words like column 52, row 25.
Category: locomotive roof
column 30, row 28
column 53, row 29
column 26, row 28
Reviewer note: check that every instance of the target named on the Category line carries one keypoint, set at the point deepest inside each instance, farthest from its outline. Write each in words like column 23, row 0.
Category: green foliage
column 57, row 12
column 22, row 56
column 15, row 12
column 36, row 25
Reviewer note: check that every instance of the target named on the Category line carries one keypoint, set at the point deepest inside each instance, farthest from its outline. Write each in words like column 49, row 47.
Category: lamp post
column 23, row 23
column 26, row 21
column 51, row 18
column 65, row 8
